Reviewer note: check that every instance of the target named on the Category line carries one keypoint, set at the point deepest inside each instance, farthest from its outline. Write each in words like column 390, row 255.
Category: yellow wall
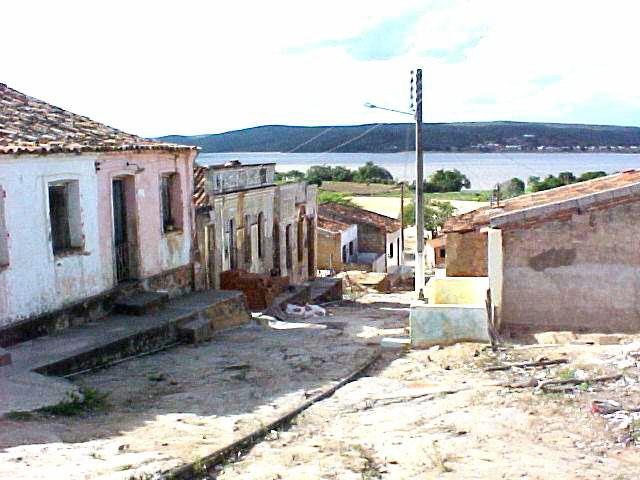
column 460, row 291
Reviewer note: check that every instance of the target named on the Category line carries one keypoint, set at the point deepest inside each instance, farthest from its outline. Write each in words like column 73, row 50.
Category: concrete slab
column 448, row 324
column 395, row 342
column 98, row 343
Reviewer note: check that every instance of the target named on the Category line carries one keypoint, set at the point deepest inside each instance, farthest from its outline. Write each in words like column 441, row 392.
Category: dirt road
column 439, row 414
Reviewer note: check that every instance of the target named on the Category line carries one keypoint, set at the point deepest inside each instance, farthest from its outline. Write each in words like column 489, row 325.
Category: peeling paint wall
column 157, row 251
column 580, row 273
column 35, row 280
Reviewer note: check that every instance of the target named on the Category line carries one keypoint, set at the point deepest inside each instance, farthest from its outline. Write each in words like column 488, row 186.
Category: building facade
column 377, row 234
column 337, row 244
column 247, row 222
column 81, row 208
column 566, row 258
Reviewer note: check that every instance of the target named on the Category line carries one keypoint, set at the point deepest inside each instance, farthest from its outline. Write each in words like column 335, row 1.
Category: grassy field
column 382, row 190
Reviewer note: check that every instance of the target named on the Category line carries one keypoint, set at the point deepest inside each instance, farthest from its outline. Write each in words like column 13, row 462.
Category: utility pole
column 419, row 257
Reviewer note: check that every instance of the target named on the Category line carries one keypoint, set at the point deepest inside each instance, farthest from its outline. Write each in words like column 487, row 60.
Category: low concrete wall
column 448, row 324
column 458, row 290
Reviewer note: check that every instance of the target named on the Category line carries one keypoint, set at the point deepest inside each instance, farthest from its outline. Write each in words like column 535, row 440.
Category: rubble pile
column 260, row 290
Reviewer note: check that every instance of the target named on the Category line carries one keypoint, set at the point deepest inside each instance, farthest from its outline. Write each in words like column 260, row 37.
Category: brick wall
column 466, row 254
column 329, row 245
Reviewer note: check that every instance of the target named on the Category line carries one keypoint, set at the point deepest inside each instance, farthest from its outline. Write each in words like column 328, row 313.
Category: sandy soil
column 439, row 414
column 179, row 405
column 390, row 206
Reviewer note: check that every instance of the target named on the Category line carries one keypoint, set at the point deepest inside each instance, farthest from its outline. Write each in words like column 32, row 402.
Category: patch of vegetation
column 325, row 196
column 535, row 184
column 157, row 377
column 122, row 468
column 440, row 461
column 446, row 181
column 89, row 400
column 20, row 416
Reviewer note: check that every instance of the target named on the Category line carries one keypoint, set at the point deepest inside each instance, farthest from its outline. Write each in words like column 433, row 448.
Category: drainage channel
column 200, row 468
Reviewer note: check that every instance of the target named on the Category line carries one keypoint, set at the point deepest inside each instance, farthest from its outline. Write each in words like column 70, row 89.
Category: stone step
column 141, row 303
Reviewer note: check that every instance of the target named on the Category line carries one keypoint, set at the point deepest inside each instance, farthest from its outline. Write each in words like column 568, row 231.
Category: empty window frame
column 64, row 217
column 301, row 239
column 391, row 250
column 247, row 240
column 344, row 254
column 170, row 202
column 260, row 234
column 351, row 248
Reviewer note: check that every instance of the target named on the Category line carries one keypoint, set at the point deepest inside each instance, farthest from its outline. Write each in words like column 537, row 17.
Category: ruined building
column 246, row 222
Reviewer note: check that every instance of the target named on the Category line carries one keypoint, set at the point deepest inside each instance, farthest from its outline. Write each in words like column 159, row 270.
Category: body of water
column 484, row 170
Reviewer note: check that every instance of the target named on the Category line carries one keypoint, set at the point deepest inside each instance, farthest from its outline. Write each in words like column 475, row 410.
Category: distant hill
column 395, row 137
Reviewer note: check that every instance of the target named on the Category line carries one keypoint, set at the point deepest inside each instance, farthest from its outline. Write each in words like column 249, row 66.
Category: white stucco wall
column 350, row 235
column 36, row 281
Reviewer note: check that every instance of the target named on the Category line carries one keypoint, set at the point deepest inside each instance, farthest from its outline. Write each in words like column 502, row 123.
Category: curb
column 202, row 465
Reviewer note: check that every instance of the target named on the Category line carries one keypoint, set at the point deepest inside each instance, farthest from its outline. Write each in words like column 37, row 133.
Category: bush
column 446, row 181
column 325, row 196
column 372, row 173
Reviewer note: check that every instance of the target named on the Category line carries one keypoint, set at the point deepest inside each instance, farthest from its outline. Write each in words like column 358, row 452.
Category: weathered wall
column 156, row 251
column 36, row 281
column 242, row 177
column 579, row 273
column 466, row 254
column 240, row 207
column 294, row 200
column 330, row 246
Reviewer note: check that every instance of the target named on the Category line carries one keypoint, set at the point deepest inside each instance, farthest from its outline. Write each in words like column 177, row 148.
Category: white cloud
column 197, row 67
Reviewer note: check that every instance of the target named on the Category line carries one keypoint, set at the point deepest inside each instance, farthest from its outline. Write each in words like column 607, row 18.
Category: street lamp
column 419, row 202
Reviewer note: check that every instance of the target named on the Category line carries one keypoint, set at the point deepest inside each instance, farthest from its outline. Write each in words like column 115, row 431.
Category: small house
column 565, row 258
column 379, row 236
column 85, row 208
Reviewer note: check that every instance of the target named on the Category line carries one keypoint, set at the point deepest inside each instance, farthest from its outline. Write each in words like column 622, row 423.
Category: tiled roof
column 347, row 213
column 331, row 224
column 566, row 195
column 200, row 197
column 29, row 125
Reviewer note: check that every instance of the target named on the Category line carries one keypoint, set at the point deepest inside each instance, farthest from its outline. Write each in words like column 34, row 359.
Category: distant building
column 247, row 222
column 378, row 235
column 84, row 208
column 565, row 258
column 337, row 244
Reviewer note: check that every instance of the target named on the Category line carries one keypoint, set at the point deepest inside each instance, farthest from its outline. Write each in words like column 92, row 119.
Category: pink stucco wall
column 157, row 251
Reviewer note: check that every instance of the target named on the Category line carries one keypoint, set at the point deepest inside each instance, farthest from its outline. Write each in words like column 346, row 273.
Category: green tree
column 591, row 175
column 372, row 173
column 446, row 181
column 435, row 214
column 511, row 188
column 290, row 176
column 567, row 178
column 341, row 174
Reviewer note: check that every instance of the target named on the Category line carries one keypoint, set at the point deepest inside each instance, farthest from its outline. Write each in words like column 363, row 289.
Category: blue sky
column 196, row 67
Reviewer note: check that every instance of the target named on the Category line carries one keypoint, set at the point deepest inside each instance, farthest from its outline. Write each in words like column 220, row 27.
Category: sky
column 195, row 67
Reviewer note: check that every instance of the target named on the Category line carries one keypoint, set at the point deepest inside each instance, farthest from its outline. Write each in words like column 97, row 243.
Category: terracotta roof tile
column 29, row 125
column 331, row 224
column 482, row 216
column 346, row 213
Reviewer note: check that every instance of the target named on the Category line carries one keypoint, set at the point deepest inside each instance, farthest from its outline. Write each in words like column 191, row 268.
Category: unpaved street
column 179, row 405
column 438, row 414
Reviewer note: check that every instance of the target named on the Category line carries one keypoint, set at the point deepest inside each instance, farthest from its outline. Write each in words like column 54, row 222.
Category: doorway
column 123, row 234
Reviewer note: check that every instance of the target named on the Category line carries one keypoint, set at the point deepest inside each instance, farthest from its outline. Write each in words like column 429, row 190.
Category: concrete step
column 141, row 303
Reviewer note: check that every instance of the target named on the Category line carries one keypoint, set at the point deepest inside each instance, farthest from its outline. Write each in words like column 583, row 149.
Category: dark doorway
column 120, row 232
column 311, row 249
